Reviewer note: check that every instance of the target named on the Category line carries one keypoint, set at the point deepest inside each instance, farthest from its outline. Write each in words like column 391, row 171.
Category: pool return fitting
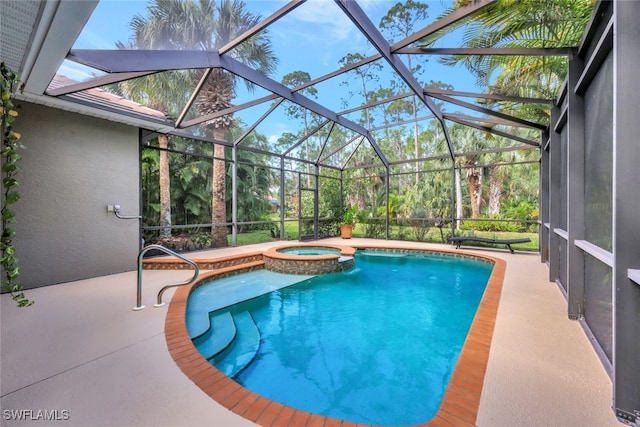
column 161, row 248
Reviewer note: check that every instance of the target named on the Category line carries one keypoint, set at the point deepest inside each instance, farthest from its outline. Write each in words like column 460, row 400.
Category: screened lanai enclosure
column 271, row 120
column 251, row 135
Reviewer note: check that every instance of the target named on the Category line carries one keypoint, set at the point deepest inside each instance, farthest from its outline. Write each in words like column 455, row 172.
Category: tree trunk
column 474, row 178
column 219, row 208
column 495, row 190
column 165, row 187
column 473, row 184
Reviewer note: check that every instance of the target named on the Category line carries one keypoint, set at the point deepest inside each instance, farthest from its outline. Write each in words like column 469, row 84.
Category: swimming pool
column 351, row 346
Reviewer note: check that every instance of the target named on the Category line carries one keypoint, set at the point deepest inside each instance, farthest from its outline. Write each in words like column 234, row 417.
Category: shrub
column 420, row 223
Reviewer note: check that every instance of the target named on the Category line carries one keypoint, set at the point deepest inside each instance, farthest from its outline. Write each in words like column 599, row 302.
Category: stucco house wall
column 72, row 168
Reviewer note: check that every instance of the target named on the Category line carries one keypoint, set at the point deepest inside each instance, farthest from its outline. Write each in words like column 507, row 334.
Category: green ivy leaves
column 10, row 158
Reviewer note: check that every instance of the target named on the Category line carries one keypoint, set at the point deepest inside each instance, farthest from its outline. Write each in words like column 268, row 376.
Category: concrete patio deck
column 82, row 353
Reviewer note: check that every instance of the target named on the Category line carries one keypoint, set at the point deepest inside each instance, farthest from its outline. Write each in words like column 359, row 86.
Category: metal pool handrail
column 161, row 248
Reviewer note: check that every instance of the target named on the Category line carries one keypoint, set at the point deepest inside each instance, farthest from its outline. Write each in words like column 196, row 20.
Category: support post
column 316, row 204
column 555, row 169
column 282, row 197
column 575, row 191
column 626, row 205
column 454, row 206
column 386, row 195
column 234, row 196
column 543, row 231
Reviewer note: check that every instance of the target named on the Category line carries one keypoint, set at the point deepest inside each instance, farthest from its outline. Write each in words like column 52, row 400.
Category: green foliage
column 350, row 215
column 512, row 210
column 307, row 204
column 519, row 209
column 330, row 199
column 253, row 182
column 374, row 222
column 491, row 224
column 10, row 169
column 419, row 222
column 374, row 228
column 190, row 169
column 202, row 239
column 521, row 24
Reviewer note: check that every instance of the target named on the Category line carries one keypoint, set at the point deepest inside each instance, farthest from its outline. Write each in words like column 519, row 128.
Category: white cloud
column 328, row 20
column 273, row 139
column 275, row 130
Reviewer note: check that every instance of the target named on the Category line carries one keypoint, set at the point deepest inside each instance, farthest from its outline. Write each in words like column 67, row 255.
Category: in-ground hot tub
column 316, row 258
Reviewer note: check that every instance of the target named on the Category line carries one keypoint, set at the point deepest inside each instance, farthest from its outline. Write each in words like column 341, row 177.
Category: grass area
column 262, row 236
column 431, row 234
column 503, row 235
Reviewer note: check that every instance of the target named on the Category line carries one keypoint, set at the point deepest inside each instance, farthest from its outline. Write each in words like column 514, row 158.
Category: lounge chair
column 458, row 241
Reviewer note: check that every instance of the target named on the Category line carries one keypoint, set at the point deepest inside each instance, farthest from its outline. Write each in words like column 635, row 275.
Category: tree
column 367, row 73
column 467, row 139
column 254, row 179
column 294, row 79
column 190, row 184
column 218, row 91
column 209, row 25
column 522, row 23
column 495, row 189
column 497, row 173
column 399, row 22
column 167, row 92
column 380, row 95
column 474, row 178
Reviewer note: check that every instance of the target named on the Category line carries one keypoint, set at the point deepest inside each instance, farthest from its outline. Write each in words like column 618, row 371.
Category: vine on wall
column 10, row 195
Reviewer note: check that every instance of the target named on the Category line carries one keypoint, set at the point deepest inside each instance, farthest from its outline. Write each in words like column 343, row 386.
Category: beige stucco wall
column 73, row 166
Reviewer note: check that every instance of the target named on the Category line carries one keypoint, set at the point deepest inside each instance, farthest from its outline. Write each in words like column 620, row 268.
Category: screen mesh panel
column 598, row 304
column 598, row 174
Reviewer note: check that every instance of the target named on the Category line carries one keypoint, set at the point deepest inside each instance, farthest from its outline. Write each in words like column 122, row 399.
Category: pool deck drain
column 460, row 403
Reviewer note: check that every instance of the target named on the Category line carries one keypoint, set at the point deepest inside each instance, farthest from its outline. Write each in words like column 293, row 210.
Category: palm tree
column 208, row 25
column 466, row 140
column 167, row 92
column 254, row 177
column 522, row 23
column 232, row 20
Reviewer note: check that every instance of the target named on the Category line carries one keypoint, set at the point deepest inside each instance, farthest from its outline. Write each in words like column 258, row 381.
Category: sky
column 311, row 38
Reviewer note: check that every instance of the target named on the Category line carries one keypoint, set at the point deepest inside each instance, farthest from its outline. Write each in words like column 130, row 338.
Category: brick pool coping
column 459, row 405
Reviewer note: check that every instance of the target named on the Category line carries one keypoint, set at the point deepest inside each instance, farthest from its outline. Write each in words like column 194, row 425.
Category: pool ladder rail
column 161, row 248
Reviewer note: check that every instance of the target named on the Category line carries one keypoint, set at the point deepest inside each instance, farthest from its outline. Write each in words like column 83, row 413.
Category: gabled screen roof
column 334, row 75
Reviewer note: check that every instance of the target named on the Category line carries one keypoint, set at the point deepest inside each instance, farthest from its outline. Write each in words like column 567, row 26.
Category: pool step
column 218, row 337
column 227, row 291
column 244, row 347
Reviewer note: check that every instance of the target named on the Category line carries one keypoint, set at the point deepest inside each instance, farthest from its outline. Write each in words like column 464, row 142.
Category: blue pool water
column 375, row 345
column 309, row 250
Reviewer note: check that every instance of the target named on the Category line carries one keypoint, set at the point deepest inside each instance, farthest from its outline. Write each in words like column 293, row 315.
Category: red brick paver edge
column 459, row 406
